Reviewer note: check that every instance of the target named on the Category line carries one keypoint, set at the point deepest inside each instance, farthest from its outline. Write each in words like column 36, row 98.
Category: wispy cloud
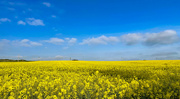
column 31, row 21
column 71, row 41
column 100, row 40
column 35, row 22
column 11, row 9
column 11, row 3
column 55, row 41
column 59, row 57
column 53, row 16
column 165, row 54
column 16, row 3
column 21, row 22
column 3, row 43
column 47, row 4
column 5, row 20
column 25, row 43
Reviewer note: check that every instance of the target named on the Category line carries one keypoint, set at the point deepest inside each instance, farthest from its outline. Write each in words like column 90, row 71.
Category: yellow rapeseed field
column 90, row 79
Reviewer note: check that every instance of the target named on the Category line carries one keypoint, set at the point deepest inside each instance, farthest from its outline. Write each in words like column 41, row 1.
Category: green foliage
column 10, row 60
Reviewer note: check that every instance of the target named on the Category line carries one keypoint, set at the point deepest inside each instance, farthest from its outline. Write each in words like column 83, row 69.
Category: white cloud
column 56, row 41
column 35, row 43
column 5, row 20
column 151, row 39
column 25, row 43
column 59, row 57
column 148, row 39
column 21, row 22
column 71, row 40
column 3, row 43
column 164, row 37
column 35, row 22
column 131, row 38
column 100, row 40
column 46, row 4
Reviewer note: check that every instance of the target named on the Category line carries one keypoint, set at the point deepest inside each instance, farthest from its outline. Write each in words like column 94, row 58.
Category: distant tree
column 74, row 59
column 10, row 60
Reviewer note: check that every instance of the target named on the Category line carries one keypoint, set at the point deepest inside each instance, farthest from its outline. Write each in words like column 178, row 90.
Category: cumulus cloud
column 100, row 40
column 151, row 39
column 5, row 20
column 35, row 22
column 21, row 22
column 165, row 37
column 148, row 39
column 25, row 43
column 46, row 4
column 131, row 39
column 71, row 40
column 56, row 41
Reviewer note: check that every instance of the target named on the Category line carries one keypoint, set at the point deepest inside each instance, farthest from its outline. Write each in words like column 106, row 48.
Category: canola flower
column 90, row 79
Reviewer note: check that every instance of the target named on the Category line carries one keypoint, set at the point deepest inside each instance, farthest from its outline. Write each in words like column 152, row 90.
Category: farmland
column 90, row 79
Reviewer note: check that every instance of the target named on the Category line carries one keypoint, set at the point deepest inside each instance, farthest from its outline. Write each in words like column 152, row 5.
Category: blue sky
column 90, row 29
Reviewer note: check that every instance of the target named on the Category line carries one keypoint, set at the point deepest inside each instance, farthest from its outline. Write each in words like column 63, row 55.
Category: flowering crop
column 90, row 79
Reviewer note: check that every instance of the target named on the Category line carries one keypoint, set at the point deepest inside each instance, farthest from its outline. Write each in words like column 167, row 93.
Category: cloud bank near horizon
column 160, row 45
column 146, row 39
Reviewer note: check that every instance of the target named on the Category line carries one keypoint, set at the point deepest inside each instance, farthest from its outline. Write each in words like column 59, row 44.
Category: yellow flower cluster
column 90, row 79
